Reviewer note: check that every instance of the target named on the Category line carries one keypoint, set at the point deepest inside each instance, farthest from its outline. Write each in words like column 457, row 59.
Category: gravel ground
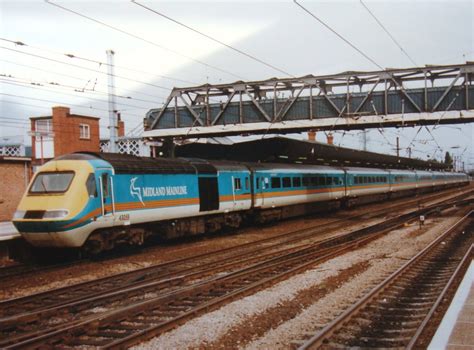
column 28, row 284
column 38, row 282
column 232, row 325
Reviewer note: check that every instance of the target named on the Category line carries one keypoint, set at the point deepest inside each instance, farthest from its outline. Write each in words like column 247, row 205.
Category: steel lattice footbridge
column 429, row 95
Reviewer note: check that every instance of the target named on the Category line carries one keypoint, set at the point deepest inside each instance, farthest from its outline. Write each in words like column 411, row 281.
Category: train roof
column 129, row 164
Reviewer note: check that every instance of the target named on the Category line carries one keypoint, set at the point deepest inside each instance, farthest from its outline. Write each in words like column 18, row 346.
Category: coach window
column 257, row 183
column 237, row 184
column 91, row 186
column 247, row 184
column 306, row 181
column 276, row 182
column 286, row 182
column 296, row 182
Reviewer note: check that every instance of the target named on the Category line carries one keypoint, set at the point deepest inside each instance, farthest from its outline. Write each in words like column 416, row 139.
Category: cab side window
column 91, row 186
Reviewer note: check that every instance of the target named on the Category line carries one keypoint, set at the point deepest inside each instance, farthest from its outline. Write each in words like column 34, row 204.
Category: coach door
column 259, row 191
column 208, row 193
column 107, row 195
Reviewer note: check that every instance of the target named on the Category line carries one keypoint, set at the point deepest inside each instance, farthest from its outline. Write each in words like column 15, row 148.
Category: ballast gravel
column 384, row 255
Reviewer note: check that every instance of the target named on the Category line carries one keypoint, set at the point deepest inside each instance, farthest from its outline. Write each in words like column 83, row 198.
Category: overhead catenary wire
column 337, row 34
column 59, row 102
column 13, row 121
column 142, row 39
column 73, row 56
column 40, row 87
column 82, row 79
column 124, row 116
column 85, row 68
column 388, row 33
column 252, row 57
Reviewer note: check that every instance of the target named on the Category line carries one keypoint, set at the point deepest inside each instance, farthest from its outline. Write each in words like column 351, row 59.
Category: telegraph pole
column 112, row 110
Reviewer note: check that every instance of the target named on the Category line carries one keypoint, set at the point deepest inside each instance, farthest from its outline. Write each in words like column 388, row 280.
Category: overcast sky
column 167, row 55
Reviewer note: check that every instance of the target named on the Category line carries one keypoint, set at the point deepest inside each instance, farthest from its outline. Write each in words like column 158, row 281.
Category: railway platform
column 9, row 238
column 455, row 330
column 8, row 231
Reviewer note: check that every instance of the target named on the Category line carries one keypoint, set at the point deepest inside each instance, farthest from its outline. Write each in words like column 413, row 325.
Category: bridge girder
column 390, row 98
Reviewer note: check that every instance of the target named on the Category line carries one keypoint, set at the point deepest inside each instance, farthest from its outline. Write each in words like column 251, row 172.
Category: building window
column 84, row 131
column 44, row 126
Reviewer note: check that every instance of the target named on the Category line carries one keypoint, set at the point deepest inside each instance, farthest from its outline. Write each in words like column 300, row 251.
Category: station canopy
column 285, row 150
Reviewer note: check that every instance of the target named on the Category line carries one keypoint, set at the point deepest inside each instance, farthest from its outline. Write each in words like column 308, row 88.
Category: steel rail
column 215, row 292
column 25, row 320
column 424, row 325
column 68, row 294
column 248, row 274
column 319, row 338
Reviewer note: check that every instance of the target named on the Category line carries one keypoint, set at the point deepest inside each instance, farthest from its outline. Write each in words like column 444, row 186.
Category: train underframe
column 136, row 235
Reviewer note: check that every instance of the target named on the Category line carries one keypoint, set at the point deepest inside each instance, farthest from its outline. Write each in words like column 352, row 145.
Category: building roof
column 15, row 159
column 70, row 115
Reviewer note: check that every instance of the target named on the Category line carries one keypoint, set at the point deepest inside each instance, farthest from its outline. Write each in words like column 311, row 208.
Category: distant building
column 14, row 146
column 15, row 173
column 62, row 133
column 52, row 136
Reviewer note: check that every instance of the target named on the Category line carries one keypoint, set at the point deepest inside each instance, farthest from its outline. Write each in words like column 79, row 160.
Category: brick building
column 15, row 173
column 51, row 136
column 63, row 133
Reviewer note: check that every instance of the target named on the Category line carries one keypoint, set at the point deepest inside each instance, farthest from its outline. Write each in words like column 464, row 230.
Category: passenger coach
column 96, row 201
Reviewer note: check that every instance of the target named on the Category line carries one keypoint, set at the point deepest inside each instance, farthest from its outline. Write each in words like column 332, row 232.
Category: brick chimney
column 330, row 139
column 121, row 128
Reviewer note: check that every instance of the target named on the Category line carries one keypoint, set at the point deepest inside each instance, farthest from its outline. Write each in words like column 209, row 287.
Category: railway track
column 213, row 260
column 397, row 312
column 23, row 269
column 173, row 300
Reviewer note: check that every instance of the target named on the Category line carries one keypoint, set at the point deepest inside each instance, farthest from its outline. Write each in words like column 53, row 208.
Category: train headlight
column 55, row 214
column 19, row 214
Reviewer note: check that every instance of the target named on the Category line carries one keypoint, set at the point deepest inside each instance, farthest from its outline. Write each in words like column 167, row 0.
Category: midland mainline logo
column 143, row 192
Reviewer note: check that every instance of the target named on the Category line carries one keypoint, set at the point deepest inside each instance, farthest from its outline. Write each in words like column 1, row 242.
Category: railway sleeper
column 390, row 300
column 383, row 342
column 113, row 333
column 394, row 310
column 128, row 327
column 388, row 328
column 401, row 318
column 90, row 342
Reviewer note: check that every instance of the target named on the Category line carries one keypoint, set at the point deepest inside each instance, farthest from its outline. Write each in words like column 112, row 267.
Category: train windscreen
column 51, row 182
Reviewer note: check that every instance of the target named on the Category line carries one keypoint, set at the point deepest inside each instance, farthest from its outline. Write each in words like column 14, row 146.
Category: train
column 95, row 201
